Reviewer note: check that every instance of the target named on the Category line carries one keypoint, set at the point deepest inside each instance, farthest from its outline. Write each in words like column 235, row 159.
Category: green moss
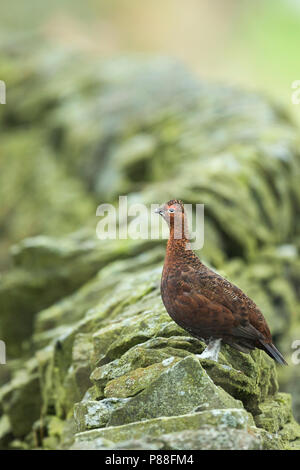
column 90, row 414
column 249, row 378
column 89, row 311
column 209, row 438
column 5, row 432
column 132, row 383
column 183, row 387
column 143, row 355
column 233, row 418
column 21, row 401
column 275, row 412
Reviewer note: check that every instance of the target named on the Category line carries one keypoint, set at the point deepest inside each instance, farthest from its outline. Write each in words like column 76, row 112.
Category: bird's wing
column 218, row 305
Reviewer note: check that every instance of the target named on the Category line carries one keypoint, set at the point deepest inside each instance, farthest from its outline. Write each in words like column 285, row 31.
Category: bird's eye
column 171, row 210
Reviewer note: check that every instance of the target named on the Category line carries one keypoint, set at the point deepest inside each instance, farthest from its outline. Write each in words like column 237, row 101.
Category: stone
column 82, row 318
column 95, row 414
column 233, row 418
column 182, row 388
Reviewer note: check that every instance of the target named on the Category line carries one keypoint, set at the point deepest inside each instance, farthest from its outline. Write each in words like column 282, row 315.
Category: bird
column 205, row 304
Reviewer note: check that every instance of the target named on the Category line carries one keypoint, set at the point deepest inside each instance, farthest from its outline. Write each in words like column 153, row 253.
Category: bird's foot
column 211, row 351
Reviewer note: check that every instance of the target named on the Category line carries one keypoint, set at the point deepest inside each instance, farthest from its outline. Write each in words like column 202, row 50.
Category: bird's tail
column 274, row 353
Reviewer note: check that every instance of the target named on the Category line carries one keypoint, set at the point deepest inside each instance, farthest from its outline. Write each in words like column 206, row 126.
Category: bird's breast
column 179, row 299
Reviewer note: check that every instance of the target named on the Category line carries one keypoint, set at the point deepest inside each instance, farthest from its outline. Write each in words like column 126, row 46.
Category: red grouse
column 205, row 304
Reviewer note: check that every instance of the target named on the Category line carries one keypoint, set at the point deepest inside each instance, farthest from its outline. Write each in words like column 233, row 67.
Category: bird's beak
column 159, row 210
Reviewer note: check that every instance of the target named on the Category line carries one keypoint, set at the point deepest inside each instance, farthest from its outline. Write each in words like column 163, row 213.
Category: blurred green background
column 247, row 44
column 254, row 43
column 106, row 98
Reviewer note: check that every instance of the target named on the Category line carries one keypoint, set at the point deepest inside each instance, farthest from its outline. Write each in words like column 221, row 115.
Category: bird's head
column 172, row 211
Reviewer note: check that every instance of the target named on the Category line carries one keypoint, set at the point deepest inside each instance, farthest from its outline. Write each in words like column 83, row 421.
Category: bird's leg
column 211, row 351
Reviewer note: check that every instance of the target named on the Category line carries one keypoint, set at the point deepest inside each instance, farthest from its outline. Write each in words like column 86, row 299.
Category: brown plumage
column 202, row 302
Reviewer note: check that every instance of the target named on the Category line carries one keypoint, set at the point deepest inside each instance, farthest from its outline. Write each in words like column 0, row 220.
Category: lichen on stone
column 94, row 360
